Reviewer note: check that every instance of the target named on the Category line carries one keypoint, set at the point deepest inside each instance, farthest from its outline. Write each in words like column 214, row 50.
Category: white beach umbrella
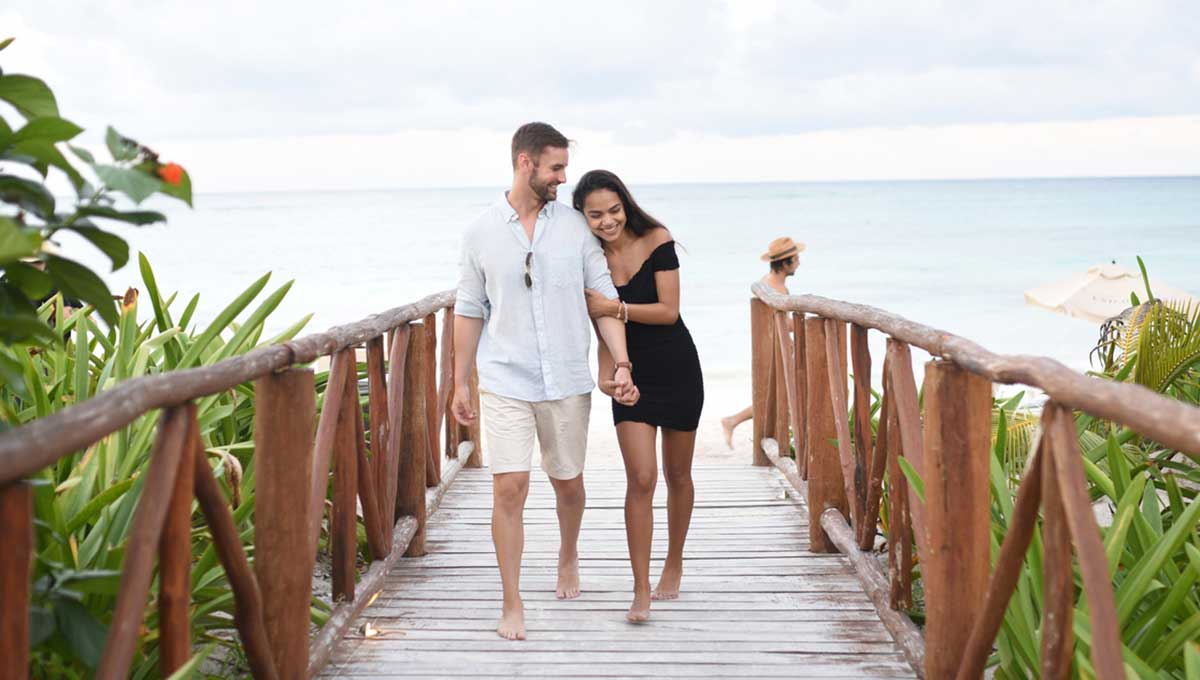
column 1099, row 293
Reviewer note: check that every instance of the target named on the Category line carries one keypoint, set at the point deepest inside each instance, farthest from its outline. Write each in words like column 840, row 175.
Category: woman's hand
column 598, row 305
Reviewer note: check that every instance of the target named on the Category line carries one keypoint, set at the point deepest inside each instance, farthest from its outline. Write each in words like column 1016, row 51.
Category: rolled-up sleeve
column 472, row 287
column 595, row 269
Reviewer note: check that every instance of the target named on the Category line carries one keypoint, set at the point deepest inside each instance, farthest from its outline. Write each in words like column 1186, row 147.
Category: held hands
column 621, row 387
column 461, row 405
column 600, row 306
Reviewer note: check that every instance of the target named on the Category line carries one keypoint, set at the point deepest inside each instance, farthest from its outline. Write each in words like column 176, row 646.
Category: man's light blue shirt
column 535, row 340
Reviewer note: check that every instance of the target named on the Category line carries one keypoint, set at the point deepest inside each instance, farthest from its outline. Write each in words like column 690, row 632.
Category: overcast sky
column 270, row 95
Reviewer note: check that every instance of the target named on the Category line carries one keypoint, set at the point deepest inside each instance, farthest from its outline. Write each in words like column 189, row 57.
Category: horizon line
column 910, row 180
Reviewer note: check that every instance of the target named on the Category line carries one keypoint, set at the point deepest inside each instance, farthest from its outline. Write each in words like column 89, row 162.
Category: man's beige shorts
column 561, row 427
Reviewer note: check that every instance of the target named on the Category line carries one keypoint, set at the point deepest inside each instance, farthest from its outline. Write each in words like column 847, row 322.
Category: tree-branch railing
column 383, row 466
column 800, row 375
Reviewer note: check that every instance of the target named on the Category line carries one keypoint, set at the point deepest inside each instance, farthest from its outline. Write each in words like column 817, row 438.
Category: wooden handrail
column 387, row 478
column 946, row 440
column 1164, row 420
column 31, row 447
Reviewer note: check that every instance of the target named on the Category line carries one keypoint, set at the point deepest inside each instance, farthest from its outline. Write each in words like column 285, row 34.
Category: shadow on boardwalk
column 755, row 602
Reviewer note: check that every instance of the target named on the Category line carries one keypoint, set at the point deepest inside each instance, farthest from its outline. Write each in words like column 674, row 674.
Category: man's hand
column 461, row 405
column 624, row 391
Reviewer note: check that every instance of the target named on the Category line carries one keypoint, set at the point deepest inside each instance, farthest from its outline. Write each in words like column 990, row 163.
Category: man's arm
column 612, row 334
column 470, row 308
column 466, row 342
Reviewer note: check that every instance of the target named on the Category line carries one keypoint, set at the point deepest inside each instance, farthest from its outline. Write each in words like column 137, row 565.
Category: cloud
column 738, row 67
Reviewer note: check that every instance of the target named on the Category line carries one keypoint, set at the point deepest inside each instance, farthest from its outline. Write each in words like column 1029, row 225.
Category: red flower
column 171, row 173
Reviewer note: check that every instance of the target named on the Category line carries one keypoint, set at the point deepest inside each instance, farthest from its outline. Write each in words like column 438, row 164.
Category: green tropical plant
column 31, row 144
column 84, row 503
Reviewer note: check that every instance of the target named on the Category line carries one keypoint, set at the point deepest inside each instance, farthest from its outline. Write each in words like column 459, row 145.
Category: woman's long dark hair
column 636, row 220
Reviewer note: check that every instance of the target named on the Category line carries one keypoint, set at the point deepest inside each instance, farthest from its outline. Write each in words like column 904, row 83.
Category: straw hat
column 781, row 249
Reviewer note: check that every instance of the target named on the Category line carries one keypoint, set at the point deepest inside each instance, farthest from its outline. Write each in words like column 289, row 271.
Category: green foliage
column 84, row 503
column 30, row 215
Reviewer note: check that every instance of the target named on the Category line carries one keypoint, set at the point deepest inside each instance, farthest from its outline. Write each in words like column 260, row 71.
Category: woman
column 666, row 370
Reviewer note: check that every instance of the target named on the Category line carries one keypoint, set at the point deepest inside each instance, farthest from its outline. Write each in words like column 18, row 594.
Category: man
column 784, row 256
column 525, row 264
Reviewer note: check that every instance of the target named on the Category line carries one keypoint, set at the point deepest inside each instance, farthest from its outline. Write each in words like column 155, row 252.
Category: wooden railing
column 407, row 410
column 800, row 385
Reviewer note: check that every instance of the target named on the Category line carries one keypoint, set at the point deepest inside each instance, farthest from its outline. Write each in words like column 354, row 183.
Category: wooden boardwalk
column 754, row 603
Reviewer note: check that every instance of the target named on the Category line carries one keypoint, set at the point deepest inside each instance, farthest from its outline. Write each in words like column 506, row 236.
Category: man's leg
column 509, row 491
column 562, row 433
column 728, row 423
column 509, row 427
column 570, row 499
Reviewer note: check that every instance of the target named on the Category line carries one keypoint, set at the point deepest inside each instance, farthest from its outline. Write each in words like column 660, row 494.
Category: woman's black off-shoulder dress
column 666, row 368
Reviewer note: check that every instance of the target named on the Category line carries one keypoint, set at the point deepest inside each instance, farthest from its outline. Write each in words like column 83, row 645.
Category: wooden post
column 283, row 558
column 782, row 424
column 1058, row 580
column 368, row 497
column 138, row 568
column 377, row 407
column 343, row 520
column 247, row 598
column 860, row 358
column 783, row 331
column 762, row 352
column 410, row 497
column 433, row 466
column 825, row 489
column 175, row 560
column 16, row 574
column 341, row 370
column 390, row 467
column 834, row 362
column 445, row 419
column 957, row 559
column 801, row 395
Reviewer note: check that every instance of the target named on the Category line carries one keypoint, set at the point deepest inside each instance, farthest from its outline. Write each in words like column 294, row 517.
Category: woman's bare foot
column 639, row 611
column 668, row 582
column 727, row 424
column 512, row 623
column 568, row 579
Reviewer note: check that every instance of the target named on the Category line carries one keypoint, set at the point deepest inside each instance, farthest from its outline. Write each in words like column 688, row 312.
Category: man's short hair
column 778, row 265
column 531, row 138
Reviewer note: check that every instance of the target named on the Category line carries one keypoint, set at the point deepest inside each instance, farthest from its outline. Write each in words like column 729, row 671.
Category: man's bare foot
column 727, row 424
column 639, row 611
column 668, row 583
column 512, row 623
column 568, row 579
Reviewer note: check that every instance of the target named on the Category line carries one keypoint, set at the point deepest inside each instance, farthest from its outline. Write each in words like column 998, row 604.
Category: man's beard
column 546, row 192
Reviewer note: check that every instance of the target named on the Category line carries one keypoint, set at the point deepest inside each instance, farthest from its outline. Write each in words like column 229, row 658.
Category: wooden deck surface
column 754, row 602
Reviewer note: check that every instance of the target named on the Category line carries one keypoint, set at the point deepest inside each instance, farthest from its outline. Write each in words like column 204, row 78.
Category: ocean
column 956, row 255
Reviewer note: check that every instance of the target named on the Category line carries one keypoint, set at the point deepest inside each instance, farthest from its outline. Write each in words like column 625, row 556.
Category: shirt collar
column 510, row 214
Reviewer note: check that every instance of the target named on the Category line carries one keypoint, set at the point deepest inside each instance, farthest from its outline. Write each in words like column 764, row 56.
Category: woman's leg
column 641, row 475
column 678, row 448
column 728, row 423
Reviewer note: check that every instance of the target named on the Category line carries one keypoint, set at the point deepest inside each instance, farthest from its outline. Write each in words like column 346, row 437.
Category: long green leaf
column 222, row 320
column 1130, row 593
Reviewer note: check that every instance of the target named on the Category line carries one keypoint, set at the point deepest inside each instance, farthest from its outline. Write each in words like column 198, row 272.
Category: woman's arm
column 665, row 312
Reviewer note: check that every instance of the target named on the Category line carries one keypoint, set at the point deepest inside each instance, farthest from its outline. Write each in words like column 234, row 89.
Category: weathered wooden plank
column 1093, row 564
column 16, row 572
column 148, row 519
column 825, row 486
column 762, row 388
column 410, row 497
column 957, row 458
column 175, row 559
column 343, row 518
column 283, row 549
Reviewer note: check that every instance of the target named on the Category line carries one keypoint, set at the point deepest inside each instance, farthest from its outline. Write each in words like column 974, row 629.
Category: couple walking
column 533, row 273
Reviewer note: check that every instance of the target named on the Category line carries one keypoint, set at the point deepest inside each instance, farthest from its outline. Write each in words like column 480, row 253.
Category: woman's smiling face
column 605, row 214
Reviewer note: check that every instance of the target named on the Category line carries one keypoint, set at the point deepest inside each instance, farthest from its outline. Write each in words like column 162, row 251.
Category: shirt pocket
column 566, row 271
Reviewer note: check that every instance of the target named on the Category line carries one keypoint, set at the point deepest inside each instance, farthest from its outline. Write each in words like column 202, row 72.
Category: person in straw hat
column 783, row 254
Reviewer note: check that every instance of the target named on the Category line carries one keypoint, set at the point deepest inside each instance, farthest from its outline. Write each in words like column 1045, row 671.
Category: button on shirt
column 535, row 340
